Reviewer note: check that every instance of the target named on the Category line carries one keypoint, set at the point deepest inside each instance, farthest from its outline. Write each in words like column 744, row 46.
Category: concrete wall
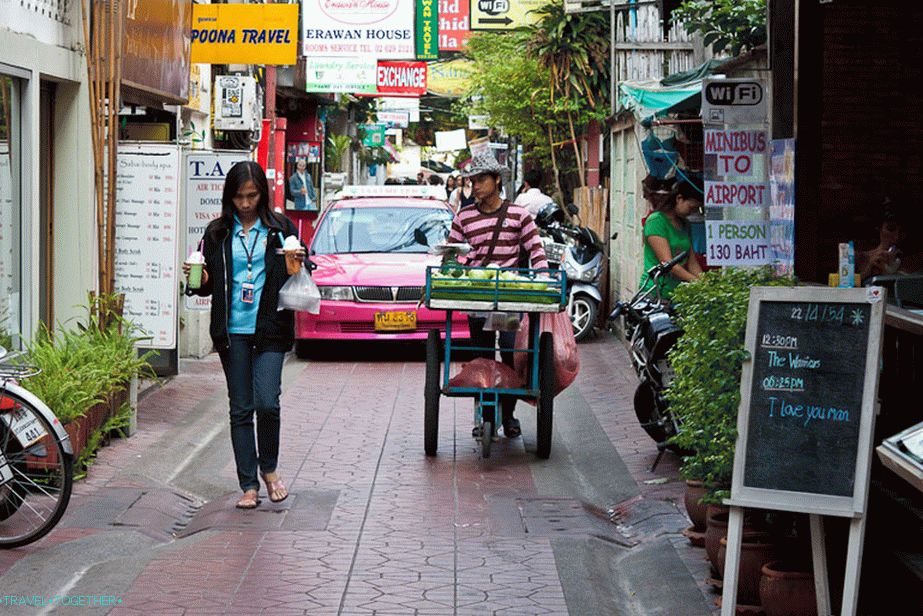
column 74, row 266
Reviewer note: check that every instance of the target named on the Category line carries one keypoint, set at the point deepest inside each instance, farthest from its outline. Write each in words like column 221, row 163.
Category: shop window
column 10, row 214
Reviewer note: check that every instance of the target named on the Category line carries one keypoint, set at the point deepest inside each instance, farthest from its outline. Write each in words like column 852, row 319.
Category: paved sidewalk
column 372, row 525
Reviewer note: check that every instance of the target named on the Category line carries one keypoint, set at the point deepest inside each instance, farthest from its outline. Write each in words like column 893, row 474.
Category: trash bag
column 300, row 293
column 485, row 373
column 566, row 357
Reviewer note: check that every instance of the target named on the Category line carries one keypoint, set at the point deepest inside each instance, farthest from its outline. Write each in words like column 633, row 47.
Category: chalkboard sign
column 807, row 399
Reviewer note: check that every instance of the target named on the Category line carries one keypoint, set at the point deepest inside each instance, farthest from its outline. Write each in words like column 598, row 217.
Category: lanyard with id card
column 247, row 289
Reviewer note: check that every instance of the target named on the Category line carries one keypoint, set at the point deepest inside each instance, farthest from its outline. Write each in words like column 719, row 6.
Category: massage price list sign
column 806, row 396
column 146, row 233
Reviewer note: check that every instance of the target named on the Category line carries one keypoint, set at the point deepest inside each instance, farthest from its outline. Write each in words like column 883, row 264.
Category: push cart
column 492, row 290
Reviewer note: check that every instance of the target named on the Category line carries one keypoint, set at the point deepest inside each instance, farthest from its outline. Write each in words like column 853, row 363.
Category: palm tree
column 574, row 48
column 337, row 145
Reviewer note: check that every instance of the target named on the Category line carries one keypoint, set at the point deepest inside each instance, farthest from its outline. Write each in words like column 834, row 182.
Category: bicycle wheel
column 546, row 385
column 431, row 393
column 36, row 475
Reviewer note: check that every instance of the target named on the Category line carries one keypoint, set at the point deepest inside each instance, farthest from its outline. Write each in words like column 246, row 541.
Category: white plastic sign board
column 377, row 30
column 734, row 101
column 203, row 179
column 146, row 238
column 341, row 74
column 451, row 140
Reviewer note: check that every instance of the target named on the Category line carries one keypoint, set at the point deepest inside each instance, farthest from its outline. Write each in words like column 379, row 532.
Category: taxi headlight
column 342, row 294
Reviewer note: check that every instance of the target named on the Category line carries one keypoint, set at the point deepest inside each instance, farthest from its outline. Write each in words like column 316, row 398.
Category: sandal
column 250, row 500
column 275, row 488
column 511, row 428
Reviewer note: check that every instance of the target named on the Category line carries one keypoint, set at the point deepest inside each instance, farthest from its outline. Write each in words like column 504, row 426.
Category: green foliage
column 574, row 49
column 337, row 146
column 374, row 156
column 511, row 88
column 117, row 423
column 736, row 25
column 707, row 361
column 83, row 366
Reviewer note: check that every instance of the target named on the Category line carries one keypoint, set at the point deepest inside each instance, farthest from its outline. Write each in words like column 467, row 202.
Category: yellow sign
column 504, row 14
column 245, row 33
column 450, row 79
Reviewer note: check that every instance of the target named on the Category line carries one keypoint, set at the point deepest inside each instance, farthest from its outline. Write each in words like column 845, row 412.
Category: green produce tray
column 489, row 291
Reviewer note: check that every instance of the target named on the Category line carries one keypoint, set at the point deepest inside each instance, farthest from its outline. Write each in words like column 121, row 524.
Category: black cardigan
column 275, row 329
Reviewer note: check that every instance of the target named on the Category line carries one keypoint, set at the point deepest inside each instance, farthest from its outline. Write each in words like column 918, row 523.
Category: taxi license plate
column 395, row 321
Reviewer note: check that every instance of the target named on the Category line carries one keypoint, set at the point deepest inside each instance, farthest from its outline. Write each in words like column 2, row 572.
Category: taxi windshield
column 381, row 229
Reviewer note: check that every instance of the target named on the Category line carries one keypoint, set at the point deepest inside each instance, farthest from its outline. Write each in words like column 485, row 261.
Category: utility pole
column 271, row 116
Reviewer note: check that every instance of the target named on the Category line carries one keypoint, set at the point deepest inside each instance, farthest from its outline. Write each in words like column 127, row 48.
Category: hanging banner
column 454, row 25
column 394, row 119
column 449, row 79
column 401, row 103
column 782, row 205
column 340, row 74
column 504, row 14
column 245, row 33
column 374, row 29
column 427, row 30
column 401, row 78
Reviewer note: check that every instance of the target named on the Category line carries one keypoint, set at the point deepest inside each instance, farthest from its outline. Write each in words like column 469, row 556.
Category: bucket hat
column 486, row 162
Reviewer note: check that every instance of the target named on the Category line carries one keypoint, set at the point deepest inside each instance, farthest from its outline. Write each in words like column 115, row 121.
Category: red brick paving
column 408, row 535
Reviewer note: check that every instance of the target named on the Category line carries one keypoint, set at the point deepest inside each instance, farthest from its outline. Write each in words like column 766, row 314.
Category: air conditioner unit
column 235, row 103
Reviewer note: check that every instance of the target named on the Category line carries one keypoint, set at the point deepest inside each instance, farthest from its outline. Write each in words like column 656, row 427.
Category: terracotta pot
column 756, row 549
column 786, row 591
column 716, row 529
column 695, row 490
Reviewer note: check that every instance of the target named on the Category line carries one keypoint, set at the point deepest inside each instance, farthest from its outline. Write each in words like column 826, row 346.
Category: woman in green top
column 667, row 233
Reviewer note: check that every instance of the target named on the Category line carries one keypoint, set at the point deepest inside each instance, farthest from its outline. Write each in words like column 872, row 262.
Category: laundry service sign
column 359, row 28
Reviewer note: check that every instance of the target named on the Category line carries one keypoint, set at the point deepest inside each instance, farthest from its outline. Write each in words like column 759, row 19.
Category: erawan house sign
column 369, row 28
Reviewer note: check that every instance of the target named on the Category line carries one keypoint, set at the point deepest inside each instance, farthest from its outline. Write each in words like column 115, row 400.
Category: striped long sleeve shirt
column 519, row 231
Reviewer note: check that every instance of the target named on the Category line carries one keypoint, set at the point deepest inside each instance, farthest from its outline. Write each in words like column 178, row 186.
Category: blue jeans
column 254, row 385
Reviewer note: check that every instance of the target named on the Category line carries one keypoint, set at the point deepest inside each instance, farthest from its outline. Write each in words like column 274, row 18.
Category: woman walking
column 244, row 270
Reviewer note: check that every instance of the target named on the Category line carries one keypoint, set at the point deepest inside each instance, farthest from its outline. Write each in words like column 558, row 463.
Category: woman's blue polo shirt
column 242, row 318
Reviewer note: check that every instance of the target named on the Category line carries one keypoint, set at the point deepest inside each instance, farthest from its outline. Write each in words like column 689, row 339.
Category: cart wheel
column 431, row 393
column 487, row 437
column 546, row 386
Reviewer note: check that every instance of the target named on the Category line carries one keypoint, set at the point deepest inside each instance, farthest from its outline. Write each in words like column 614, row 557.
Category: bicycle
column 36, row 461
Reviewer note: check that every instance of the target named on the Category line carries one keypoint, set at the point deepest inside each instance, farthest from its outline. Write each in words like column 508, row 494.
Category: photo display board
column 807, row 399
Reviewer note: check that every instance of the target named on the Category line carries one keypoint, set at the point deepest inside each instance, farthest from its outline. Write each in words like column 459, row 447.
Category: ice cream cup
column 292, row 262
column 194, row 280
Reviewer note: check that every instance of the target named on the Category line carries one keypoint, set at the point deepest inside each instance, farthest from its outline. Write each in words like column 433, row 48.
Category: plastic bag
column 484, row 373
column 300, row 293
column 566, row 357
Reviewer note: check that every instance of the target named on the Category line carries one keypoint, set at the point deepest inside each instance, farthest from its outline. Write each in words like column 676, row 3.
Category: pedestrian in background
column 463, row 195
column 667, row 233
column 301, row 185
column 500, row 233
column 450, row 184
column 530, row 195
column 242, row 248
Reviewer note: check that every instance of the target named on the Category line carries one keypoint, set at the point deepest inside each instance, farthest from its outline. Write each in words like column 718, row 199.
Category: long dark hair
column 240, row 173
column 689, row 188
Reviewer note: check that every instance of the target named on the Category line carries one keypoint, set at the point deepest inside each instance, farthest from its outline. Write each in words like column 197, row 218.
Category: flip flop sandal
column 250, row 500
column 274, row 487
column 511, row 428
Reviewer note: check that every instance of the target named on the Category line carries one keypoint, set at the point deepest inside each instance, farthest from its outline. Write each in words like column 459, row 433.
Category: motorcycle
column 651, row 331
column 578, row 251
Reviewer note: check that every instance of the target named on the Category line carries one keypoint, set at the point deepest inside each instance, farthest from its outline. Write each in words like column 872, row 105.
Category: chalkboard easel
column 806, row 420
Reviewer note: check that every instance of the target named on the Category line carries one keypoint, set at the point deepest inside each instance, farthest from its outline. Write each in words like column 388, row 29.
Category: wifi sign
column 734, row 101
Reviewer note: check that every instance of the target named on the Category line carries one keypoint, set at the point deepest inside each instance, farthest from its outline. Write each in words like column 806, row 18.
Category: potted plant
column 707, row 360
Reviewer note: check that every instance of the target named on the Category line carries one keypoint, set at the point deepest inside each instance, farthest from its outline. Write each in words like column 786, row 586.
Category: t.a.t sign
column 733, row 101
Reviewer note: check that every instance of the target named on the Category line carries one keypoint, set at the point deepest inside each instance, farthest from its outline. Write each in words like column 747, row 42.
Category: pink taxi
column 371, row 252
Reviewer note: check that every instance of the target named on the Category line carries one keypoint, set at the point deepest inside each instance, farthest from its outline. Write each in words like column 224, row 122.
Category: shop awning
column 648, row 98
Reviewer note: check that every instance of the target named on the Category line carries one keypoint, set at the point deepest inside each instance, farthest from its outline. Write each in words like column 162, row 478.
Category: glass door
column 10, row 213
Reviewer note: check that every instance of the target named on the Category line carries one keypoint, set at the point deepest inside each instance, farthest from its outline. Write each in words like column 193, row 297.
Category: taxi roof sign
column 425, row 191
